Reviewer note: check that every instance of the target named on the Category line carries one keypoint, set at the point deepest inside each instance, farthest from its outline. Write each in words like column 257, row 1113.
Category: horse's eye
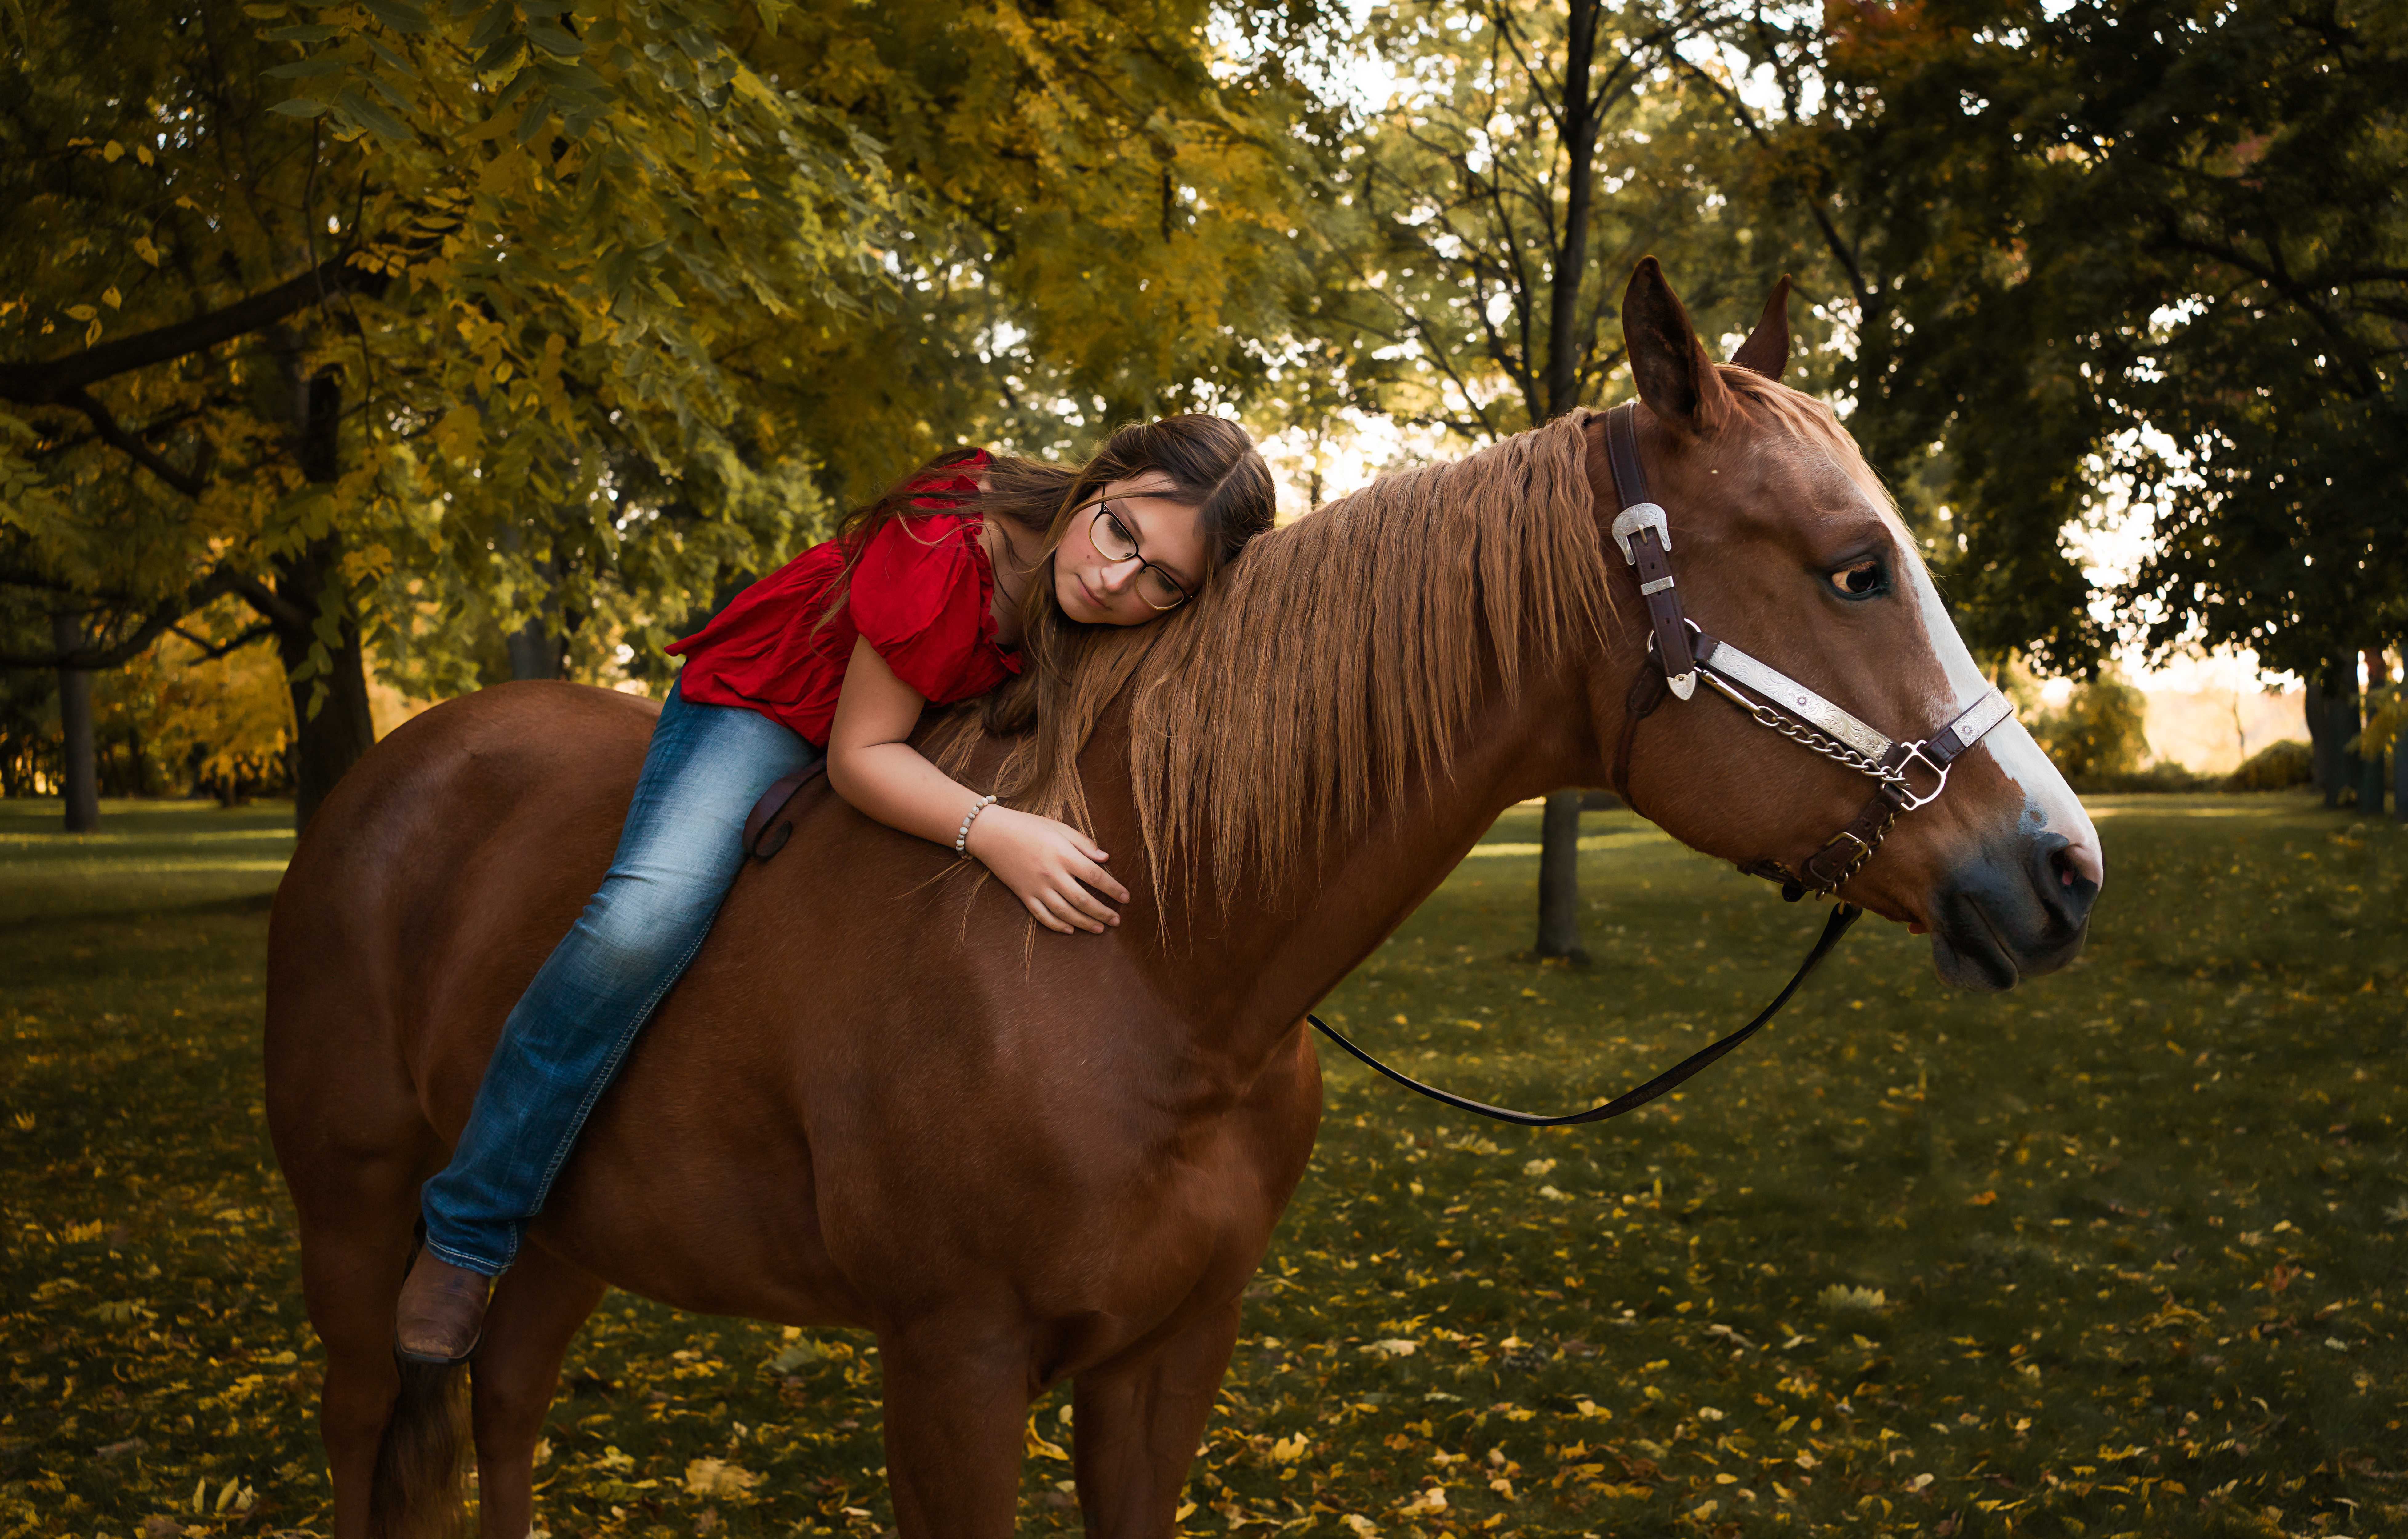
column 1860, row 580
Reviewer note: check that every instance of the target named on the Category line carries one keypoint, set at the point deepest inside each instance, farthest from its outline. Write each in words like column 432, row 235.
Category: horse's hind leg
column 356, row 1213
column 1136, row 1429
column 536, row 1311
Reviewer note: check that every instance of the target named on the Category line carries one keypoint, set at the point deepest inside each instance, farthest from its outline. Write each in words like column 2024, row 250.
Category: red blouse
column 923, row 593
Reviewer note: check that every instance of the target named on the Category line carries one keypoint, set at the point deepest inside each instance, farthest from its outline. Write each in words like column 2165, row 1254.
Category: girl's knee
column 643, row 930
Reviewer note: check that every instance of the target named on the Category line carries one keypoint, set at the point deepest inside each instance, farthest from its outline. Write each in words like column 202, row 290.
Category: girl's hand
column 1051, row 866
column 872, row 765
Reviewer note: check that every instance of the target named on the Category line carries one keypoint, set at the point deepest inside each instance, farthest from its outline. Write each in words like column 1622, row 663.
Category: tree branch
column 162, row 618
column 56, row 379
column 118, row 437
column 2276, row 275
column 279, row 610
column 212, row 651
column 1839, row 249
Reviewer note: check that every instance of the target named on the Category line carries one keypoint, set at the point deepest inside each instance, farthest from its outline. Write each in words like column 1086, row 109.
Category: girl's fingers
column 1038, row 909
column 1078, row 876
column 1102, row 880
column 1066, row 911
column 1089, row 905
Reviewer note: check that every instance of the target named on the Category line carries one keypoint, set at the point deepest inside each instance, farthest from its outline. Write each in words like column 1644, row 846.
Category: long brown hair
column 1383, row 609
column 1025, row 492
column 1211, row 465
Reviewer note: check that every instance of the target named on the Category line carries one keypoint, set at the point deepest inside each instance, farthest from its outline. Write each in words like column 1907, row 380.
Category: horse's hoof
column 441, row 1315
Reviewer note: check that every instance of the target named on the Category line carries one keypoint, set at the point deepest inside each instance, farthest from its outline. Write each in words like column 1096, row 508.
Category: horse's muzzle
column 2015, row 915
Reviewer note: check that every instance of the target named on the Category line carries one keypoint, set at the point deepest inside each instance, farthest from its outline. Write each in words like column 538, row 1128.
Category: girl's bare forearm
column 893, row 784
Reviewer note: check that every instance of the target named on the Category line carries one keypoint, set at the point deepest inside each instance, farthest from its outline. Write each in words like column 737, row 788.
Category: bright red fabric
column 923, row 593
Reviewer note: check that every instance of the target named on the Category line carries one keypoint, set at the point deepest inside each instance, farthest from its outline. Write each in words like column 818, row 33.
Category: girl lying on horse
column 973, row 578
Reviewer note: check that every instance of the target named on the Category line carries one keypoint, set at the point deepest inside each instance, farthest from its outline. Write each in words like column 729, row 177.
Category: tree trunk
column 2342, row 724
column 331, row 725
column 1560, row 928
column 534, row 653
column 1560, row 916
column 1579, row 121
column 2317, row 707
column 2369, row 770
column 82, row 762
column 2400, row 778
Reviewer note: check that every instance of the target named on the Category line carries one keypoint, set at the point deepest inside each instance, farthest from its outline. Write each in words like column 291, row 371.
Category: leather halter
column 1687, row 653
column 1906, row 775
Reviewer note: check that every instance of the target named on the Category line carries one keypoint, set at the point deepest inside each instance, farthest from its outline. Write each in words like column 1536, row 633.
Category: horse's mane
column 1338, row 657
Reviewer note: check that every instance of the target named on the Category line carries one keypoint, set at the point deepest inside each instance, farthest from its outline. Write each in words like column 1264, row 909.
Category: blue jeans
column 562, row 1043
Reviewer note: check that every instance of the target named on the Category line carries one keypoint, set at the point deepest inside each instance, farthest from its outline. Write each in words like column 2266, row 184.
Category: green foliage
column 1490, row 213
column 1105, row 219
column 2276, row 766
column 220, row 726
column 2159, row 778
column 2151, row 249
column 2121, row 1250
column 2099, row 731
column 614, row 304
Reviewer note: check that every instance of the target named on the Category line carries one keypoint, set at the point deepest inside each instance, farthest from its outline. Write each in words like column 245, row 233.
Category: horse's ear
column 1767, row 348
column 1674, row 376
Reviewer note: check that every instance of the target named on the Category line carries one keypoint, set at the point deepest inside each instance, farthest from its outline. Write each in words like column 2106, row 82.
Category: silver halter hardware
column 1908, row 775
column 1643, row 516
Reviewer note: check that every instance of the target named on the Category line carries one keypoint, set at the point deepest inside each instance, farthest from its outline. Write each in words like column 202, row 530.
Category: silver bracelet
column 962, row 838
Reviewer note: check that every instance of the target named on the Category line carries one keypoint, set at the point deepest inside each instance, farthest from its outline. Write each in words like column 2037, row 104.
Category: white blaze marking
column 2048, row 801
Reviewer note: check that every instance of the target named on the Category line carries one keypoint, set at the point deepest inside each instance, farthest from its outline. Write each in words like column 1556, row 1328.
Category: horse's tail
column 418, row 1489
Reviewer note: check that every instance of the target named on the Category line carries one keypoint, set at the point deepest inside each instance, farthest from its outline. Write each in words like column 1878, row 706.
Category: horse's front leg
column 957, row 1401
column 1136, row 1428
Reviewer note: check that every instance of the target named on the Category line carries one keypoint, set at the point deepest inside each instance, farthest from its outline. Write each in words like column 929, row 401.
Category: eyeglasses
column 1116, row 543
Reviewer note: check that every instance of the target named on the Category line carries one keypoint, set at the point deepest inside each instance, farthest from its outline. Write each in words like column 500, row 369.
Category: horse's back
column 481, row 823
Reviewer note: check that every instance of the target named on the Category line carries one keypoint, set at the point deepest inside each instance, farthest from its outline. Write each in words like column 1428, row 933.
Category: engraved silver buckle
column 1638, row 516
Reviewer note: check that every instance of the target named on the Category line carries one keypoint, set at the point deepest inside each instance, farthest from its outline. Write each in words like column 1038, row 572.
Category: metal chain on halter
column 1642, row 531
column 1686, row 653
column 1807, row 737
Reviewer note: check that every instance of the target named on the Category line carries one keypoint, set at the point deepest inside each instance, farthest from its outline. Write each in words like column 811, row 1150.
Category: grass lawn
column 2119, row 1253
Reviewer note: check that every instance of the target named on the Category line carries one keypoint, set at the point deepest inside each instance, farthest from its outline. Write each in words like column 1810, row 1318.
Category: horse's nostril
column 2066, row 877
column 2078, row 863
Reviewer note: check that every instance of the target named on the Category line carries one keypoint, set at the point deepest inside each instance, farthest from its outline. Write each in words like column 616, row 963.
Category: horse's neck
column 1250, row 976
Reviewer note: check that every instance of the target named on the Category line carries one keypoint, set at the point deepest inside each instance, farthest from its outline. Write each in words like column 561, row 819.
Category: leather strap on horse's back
column 762, row 840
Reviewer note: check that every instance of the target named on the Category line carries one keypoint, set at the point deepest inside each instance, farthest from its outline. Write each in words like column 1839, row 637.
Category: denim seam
column 462, row 1259
column 610, row 1074
column 513, row 1230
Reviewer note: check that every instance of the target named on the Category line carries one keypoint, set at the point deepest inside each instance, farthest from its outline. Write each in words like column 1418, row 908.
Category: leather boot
column 441, row 1315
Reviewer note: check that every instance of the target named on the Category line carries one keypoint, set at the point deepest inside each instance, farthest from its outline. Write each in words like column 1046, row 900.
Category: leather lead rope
column 1842, row 917
column 1684, row 653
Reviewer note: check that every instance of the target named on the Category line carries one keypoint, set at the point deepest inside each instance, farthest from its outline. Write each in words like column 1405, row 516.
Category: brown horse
column 880, row 1100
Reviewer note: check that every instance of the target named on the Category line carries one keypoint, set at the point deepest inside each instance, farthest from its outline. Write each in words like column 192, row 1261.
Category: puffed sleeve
column 920, row 595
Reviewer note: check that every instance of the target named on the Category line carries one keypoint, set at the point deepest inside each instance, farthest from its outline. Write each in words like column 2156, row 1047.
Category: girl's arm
column 1049, row 865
